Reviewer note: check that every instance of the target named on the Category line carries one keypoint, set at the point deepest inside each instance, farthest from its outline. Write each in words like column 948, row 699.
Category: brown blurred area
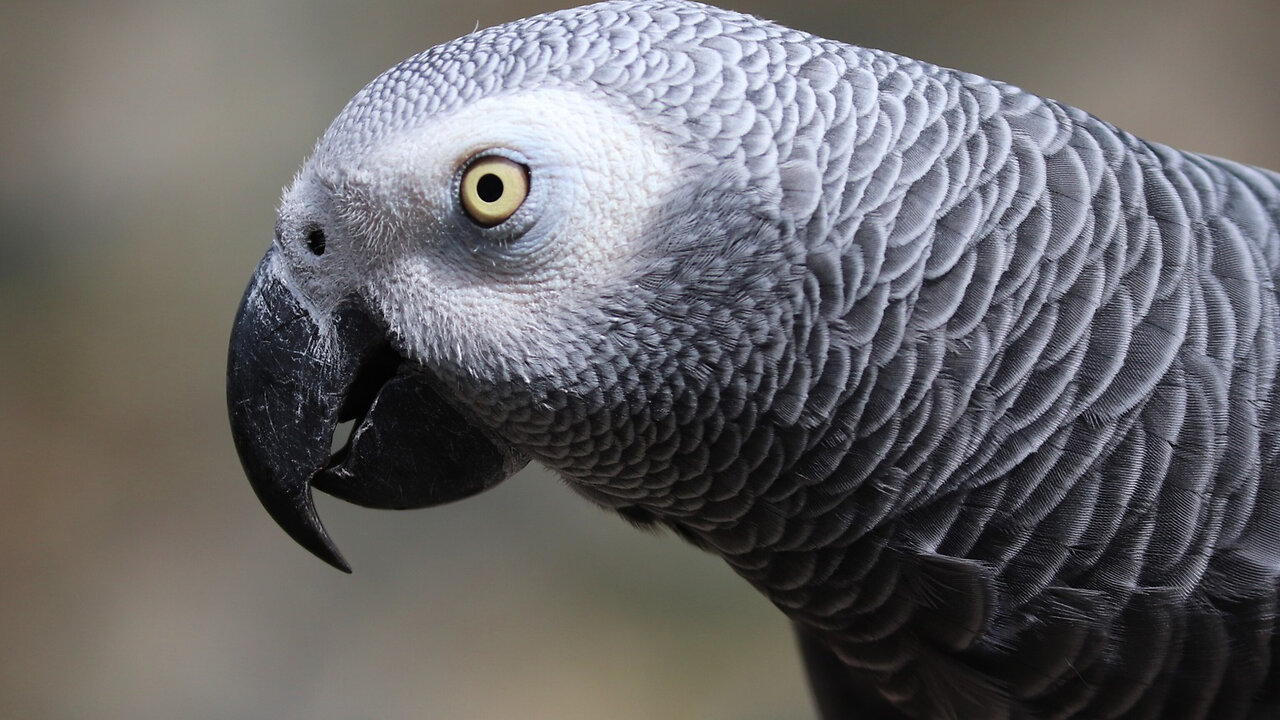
column 144, row 145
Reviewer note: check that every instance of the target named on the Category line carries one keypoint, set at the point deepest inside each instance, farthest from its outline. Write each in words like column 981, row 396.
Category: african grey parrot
column 978, row 389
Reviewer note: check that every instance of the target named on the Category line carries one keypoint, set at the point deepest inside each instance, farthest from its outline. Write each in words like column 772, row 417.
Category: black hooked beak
column 290, row 383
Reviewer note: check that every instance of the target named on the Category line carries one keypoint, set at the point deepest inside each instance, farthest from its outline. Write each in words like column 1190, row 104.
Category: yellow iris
column 493, row 188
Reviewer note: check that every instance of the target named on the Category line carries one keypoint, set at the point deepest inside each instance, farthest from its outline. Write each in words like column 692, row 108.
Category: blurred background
column 143, row 146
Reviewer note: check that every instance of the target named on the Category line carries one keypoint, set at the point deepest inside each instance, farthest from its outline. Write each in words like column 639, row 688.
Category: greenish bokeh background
column 142, row 149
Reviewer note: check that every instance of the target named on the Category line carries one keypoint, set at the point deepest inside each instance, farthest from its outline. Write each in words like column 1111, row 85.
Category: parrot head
column 541, row 240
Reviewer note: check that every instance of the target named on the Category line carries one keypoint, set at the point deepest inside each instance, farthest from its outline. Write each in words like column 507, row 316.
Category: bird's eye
column 492, row 189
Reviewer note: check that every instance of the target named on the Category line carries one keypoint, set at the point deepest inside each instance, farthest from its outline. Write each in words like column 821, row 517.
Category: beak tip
column 329, row 553
column 300, row 520
column 337, row 561
column 317, row 542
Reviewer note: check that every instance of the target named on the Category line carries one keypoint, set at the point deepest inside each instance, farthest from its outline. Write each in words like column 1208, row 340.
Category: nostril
column 316, row 241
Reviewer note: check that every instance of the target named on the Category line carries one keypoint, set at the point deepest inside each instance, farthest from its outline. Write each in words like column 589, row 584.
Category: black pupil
column 315, row 241
column 489, row 187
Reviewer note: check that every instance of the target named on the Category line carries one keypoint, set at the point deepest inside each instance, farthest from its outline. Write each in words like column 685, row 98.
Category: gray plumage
column 975, row 387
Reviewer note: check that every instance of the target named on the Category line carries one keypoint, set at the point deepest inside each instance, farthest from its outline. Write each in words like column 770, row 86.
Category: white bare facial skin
column 395, row 223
